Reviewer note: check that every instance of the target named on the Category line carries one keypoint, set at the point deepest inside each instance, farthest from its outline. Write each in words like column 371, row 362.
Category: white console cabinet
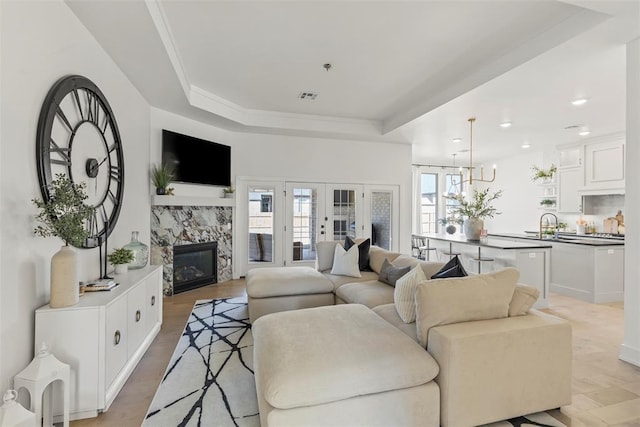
column 103, row 337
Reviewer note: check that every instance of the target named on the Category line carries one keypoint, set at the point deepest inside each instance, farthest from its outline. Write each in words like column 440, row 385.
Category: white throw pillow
column 404, row 294
column 345, row 263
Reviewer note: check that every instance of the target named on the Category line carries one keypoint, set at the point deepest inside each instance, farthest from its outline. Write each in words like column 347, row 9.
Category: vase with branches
column 474, row 210
column 64, row 215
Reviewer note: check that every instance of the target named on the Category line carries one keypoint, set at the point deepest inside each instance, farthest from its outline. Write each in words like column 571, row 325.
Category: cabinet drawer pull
column 153, row 300
column 116, row 337
column 138, row 314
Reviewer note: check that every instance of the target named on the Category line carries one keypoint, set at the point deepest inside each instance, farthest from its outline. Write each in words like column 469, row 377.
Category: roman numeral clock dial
column 78, row 136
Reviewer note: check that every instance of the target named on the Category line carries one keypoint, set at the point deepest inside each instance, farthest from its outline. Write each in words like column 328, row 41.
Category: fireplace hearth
column 194, row 265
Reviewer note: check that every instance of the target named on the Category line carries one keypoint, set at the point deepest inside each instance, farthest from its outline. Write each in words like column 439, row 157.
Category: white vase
column 65, row 290
column 473, row 228
column 121, row 268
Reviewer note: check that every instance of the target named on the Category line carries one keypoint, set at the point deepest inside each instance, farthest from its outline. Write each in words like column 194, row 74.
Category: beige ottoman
column 276, row 289
column 343, row 366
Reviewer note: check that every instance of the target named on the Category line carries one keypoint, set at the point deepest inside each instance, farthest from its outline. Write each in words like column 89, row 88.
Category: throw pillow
column 363, row 249
column 523, row 299
column 454, row 300
column 390, row 274
column 404, row 295
column 345, row 263
column 453, row 268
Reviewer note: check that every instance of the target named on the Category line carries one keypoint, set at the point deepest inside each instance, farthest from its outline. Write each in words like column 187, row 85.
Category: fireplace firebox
column 194, row 265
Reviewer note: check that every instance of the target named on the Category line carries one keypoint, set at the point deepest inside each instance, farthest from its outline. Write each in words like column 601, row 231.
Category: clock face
column 78, row 136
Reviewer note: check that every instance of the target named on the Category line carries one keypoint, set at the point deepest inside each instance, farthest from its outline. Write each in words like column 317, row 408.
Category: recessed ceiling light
column 584, row 132
column 579, row 101
column 526, row 145
column 505, row 124
column 456, row 140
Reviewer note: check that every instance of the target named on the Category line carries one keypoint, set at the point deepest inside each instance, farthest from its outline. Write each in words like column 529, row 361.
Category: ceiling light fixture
column 471, row 178
column 505, row 124
column 526, row 145
column 584, row 132
column 455, row 186
column 457, row 140
column 579, row 101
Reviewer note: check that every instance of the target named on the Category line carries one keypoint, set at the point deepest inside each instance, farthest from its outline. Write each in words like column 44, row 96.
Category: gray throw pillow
column 390, row 274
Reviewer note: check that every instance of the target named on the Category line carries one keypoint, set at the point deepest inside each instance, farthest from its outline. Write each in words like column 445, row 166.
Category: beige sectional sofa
column 497, row 359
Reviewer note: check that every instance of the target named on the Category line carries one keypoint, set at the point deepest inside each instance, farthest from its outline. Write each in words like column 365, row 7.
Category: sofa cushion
column 389, row 313
column 278, row 281
column 404, row 295
column 371, row 293
column 297, row 368
column 377, row 256
column 324, row 254
column 523, row 299
column 341, row 280
column 363, row 251
column 405, row 261
column 478, row 297
column 390, row 274
column 453, row 268
column 345, row 263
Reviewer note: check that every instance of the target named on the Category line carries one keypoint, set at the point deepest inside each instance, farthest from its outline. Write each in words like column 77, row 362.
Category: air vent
column 572, row 127
column 308, row 95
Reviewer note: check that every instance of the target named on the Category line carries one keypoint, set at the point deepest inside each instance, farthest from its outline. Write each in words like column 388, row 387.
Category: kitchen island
column 583, row 267
column 531, row 258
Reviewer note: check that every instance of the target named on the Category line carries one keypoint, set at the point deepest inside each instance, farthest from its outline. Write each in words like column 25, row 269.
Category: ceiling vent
column 572, row 127
column 308, row 95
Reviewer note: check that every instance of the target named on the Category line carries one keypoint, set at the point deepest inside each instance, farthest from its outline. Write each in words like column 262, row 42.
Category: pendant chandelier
column 471, row 179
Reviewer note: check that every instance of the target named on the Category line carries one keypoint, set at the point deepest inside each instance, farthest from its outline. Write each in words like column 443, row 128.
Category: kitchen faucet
column 547, row 224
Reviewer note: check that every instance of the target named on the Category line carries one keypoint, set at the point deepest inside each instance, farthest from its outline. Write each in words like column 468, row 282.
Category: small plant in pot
column 119, row 258
column 546, row 175
column 161, row 176
column 475, row 210
column 228, row 192
column 547, row 203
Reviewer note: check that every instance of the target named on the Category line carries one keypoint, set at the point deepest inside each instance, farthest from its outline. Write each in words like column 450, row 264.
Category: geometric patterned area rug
column 209, row 380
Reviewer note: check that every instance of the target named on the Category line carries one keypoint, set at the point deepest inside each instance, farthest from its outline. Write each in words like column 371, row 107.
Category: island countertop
column 564, row 238
column 490, row 242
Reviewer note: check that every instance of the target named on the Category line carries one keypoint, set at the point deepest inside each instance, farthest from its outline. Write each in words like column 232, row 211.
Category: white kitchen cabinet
column 103, row 337
column 570, row 157
column 569, row 181
column 604, row 167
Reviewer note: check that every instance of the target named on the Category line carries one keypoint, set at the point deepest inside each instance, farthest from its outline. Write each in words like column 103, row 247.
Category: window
column 453, row 185
column 428, row 202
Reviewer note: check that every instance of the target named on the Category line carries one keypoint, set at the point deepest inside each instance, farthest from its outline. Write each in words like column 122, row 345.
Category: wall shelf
column 191, row 201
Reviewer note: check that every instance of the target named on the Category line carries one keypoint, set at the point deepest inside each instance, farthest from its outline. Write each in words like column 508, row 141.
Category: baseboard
column 630, row 355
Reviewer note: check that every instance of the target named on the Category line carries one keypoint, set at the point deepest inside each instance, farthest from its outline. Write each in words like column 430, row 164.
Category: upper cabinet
column 604, row 167
column 570, row 157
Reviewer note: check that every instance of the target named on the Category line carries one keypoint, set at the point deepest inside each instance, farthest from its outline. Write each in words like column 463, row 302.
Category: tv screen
column 195, row 160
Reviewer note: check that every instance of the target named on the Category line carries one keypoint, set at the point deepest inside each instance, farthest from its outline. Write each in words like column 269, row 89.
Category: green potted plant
column 547, row 203
column 161, row 176
column 64, row 215
column 228, row 192
column 475, row 210
column 119, row 258
column 544, row 174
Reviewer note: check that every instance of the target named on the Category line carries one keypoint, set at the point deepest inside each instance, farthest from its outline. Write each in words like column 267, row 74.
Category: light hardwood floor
column 606, row 391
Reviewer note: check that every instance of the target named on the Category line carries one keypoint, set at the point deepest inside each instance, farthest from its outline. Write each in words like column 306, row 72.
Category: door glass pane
column 381, row 219
column 344, row 214
column 261, row 224
column 305, row 213
column 428, row 202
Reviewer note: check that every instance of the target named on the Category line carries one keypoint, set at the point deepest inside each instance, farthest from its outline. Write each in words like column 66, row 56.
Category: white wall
column 41, row 42
column 298, row 158
column 520, row 199
column 630, row 350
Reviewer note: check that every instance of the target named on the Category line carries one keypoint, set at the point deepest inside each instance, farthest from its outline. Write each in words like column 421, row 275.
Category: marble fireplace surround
column 183, row 221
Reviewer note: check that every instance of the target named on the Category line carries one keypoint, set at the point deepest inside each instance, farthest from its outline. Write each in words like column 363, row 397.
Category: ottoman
column 341, row 365
column 270, row 290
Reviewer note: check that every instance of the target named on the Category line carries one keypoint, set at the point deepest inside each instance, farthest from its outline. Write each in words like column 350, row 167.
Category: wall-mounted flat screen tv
column 195, row 160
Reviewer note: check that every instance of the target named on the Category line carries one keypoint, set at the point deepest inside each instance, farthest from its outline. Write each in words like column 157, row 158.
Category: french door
column 318, row 212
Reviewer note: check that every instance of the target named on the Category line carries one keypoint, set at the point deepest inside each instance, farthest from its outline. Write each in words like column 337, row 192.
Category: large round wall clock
column 78, row 136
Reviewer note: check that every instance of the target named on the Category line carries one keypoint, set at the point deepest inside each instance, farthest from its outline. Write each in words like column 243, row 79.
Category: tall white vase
column 64, row 278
